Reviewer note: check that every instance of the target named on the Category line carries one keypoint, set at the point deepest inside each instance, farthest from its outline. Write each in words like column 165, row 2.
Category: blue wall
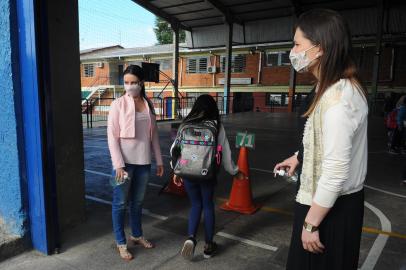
column 12, row 213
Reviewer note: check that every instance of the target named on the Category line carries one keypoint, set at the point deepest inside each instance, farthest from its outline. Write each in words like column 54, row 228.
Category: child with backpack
column 398, row 116
column 200, row 146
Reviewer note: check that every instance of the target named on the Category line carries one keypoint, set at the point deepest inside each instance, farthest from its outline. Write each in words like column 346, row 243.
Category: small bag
column 196, row 155
column 391, row 119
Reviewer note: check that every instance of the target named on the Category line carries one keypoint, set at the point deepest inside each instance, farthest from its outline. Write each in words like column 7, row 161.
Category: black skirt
column 340, row 233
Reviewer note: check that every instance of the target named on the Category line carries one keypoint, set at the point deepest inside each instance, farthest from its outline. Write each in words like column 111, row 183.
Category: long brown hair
column 330, row 31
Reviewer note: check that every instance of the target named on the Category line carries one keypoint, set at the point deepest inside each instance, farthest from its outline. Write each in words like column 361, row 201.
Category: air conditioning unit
column 211, row 69
column 100, row 64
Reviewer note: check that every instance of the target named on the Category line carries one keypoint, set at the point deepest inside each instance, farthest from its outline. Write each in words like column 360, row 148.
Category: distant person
column 329, row 205
column 389, row 103
column 398, row 142
column 132, row 137
column 401, row 101
column 202, row 134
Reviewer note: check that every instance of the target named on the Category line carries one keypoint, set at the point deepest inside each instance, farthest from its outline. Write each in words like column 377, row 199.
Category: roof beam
column 158, row 12
column 229, row 16
column 296, row 7
column 263, row 9
column 182, row 4
column 191, row 11
column 248, row 3
column 206, row 25
column 202, row 18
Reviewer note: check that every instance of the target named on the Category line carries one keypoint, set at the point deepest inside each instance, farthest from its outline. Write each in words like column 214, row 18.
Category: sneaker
column 209, row 250
column 188, row 249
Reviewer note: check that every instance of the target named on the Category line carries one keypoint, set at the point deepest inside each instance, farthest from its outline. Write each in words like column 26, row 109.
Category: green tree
column 164, row 33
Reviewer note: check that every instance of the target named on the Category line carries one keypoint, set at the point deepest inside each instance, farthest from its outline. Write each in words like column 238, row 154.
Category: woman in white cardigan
column 329, row 204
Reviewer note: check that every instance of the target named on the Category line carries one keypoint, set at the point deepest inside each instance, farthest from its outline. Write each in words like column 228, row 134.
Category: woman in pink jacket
column 132, row 136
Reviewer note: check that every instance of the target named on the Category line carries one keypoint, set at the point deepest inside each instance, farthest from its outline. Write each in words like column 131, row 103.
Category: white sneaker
column 188, row 249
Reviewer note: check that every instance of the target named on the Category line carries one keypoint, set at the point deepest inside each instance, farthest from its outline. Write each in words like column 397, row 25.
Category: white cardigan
column 344, row 154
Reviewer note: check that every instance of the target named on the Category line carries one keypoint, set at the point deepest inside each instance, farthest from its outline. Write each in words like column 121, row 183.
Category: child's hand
column 177, row 180
column 240, row 176
column 160, row 170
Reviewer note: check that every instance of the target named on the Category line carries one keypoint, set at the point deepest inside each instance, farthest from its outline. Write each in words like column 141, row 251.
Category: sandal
column 124, row 253
column 142, row 241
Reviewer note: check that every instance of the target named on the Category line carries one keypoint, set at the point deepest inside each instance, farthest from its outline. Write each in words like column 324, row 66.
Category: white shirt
column 345, row 147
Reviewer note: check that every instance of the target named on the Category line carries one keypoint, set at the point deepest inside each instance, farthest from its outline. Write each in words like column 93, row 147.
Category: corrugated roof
column 257, row 21
column 167, row 49
column 91, row 50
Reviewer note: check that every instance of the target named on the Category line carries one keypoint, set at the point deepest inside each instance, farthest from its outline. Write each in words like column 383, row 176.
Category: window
column 88, row 70
column 196, row 65
column 238, row 63
column 282, row 99
column 285, row 61
column 164, row 64
column 275, row 59
column 272, row 59
column 276, row 99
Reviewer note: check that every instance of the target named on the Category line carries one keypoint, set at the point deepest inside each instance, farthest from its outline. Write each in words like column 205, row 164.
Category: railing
column 96, row 109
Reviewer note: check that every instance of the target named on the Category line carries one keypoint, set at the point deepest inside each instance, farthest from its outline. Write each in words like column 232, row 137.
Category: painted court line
column 386, row 192
column 380, row 241
column 98, row 173
column 247, row 241
column 146, row 212
column 283, row 212
column 109, row 175
column 93, row 146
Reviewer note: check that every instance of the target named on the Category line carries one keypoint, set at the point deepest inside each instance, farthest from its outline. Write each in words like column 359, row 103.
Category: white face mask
column 132, row 89
column 300, row 61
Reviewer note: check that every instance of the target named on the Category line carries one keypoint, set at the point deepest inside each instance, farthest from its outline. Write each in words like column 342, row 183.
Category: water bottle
column 284, row 174
column 116, row 182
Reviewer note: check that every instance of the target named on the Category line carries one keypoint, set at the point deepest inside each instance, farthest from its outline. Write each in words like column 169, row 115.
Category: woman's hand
column 311, row 241
column 160, row 170
column 177, row 180
column 120, row 173
column 289, row 164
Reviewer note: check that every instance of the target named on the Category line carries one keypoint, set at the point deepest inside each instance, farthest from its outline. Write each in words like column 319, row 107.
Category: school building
column 259, row 79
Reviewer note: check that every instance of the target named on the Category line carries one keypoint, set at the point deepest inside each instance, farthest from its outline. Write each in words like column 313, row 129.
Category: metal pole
column 292, row 89
column 227, row 79
column 377, row 56
column 175, row 68
column 87, row 114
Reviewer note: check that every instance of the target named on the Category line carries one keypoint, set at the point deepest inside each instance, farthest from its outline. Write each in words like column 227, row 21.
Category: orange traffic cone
column 241, row 194
column 173, row 188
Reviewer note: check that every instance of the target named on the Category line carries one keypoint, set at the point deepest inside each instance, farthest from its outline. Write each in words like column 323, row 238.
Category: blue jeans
column 131, row 192
column 202, row 198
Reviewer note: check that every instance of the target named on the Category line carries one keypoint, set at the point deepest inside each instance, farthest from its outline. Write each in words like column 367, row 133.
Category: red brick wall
column 280, row 76
column 251, row 70
column 100, row 76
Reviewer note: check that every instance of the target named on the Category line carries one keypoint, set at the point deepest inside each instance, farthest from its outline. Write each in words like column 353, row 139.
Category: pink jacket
column 121, row 124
